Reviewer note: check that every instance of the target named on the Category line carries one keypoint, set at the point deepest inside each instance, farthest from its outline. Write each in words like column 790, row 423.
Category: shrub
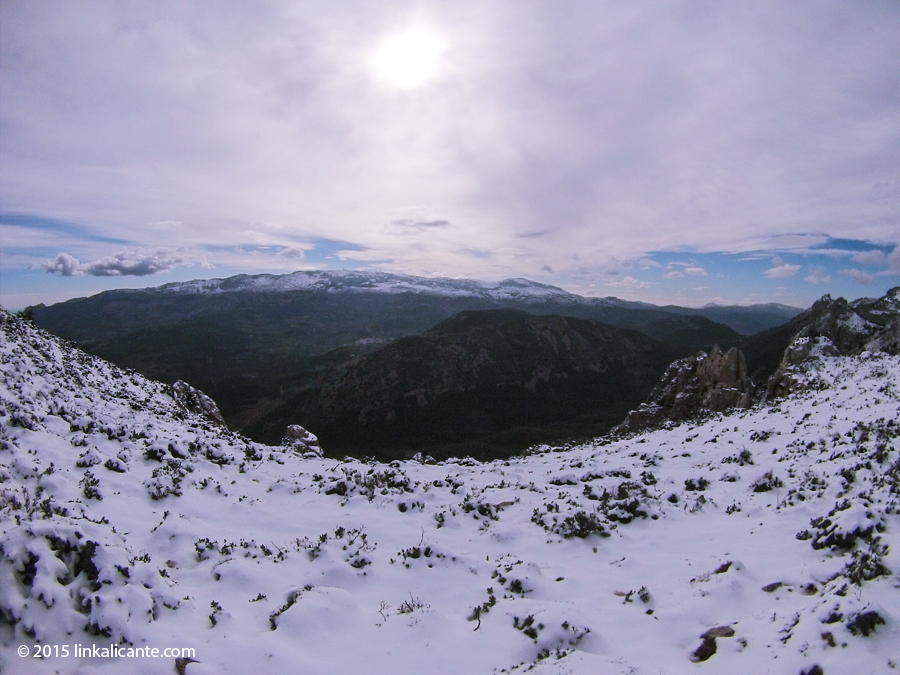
column 865, row 623
column 696, row 486
column 766, row 482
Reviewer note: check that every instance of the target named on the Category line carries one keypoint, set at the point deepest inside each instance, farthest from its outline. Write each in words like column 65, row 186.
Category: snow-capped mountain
column 764, row 540
column 382, row 282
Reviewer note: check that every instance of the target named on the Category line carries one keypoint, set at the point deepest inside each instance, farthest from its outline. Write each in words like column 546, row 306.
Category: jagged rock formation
column 791, row 376
column 703, row 383
column 195, row 401
column 300, row 439
column 831, row 327
column 879, row 310
column 834, row 327
column 887, row 340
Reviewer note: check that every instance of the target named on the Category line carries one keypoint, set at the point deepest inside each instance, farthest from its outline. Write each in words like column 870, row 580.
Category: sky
column 663, row 151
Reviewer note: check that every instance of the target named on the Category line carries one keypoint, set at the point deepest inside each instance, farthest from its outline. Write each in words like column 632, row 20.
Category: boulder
column 301, row 440
column 195, row 401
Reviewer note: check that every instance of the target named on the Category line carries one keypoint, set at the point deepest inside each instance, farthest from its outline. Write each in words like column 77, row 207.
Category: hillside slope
column 760, row 541
column 478, row 377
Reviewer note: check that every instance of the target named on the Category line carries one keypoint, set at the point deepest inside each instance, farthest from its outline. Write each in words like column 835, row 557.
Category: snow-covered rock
column 195, row 401
column 694, row 386
column 301, row 440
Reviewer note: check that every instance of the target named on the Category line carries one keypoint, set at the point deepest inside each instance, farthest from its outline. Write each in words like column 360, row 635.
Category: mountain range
column 261, row 345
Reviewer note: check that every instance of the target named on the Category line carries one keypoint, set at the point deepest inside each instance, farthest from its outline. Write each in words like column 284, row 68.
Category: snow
column 351, row 281
column 589, row 558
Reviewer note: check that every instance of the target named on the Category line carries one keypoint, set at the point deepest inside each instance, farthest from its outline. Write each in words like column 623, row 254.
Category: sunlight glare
column 407, row 59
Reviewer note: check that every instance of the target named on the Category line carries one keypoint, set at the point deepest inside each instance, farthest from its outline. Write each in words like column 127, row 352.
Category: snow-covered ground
column 773, row 532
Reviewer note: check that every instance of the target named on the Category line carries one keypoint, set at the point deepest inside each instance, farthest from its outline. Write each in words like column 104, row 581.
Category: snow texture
column 764, row 540
column 346, row 281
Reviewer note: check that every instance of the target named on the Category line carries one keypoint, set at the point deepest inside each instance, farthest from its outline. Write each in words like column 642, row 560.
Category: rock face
column 301, row 440
column 703, row 383
column 838, row 328
column 195, row 401
column 887, row 340
column 790, row 376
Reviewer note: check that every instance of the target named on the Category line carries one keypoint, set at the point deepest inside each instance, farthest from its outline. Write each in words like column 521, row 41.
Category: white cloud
column 123, row 263
column 893, row 261
column 64, row 264
column 818, row 275
column 507, row 149
column 629, row 283
column 860, row 277
column 876, row 257
column 362, row 256
column 674, row 274
column 780, row 269
column 293, row 252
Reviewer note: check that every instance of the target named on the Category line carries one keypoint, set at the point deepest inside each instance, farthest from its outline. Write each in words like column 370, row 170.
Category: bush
column 766, row 482
column 865, row 623
column 581, row 525
column 696, row 486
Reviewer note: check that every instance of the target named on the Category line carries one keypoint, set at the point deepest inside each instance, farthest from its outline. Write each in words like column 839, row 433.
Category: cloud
column 123, row 263
column 64, row 264
column 780, row 269
column 293, row 252
column 362, row 256
column 860, row 277
column 412, row 224
column 548, row 129
column 674, row 274
column 818, row 275
column 876, row 257
column 629, row 283
column 893, row 262
column 646, row 263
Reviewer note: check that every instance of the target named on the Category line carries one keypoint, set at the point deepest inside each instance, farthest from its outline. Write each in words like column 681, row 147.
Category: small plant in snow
column 90, row 486
column 216, row 609
column 768, row 481
column 411, row 605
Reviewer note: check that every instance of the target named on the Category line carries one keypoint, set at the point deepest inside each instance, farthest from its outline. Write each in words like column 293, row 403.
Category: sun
column 407, row 59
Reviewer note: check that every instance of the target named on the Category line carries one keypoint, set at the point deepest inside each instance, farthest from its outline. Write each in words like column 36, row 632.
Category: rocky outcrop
column 690, row 387
column 790, row 376
column 195, row 401
column 837, row 328
column 887, row 339
column 881, row 310
column 844, row 326
column 300, row 440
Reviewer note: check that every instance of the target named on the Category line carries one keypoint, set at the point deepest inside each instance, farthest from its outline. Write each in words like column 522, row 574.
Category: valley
column 269, row 348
